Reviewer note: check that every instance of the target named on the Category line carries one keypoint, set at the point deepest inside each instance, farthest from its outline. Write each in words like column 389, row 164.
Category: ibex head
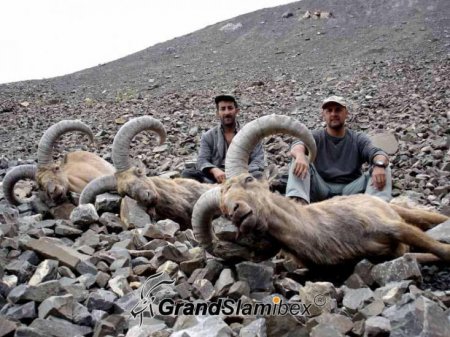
column 241, row 199
column 130, row 180
column 50, row 176
column 53, row 181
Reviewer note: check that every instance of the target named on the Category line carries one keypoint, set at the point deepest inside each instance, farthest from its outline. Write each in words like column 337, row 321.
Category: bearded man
column 337, row 169
column 214, row 145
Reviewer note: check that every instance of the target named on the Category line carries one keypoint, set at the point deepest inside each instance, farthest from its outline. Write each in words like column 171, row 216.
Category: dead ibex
column 334, row 231
column 56, row 179
column 163, row 198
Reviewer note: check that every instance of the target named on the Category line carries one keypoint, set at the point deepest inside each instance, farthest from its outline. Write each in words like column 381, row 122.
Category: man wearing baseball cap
column 341, row 153
column 215, row 142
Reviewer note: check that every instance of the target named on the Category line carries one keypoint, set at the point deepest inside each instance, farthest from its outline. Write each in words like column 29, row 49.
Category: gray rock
column 373, row 309
column 119, row 285
column 392, row 292
column 86, row 267
column 7, row 326
column 203, row 289
column 258, row 276
column 8, row 215
column 23, row 269
column 163, row 229
column 132, row 214
column 325, row 330
column 98, row 315
column 25, row 331
column 19, row 312
column 441, row 232
column 60, row 306
column 147, row 329
column 175, row 253
column 46, row 271
column 65, row 255
column 224, row 282
column 286, row 15
column 81, row 315
column 112, row 325
column 84, row 215
column 224, row 229
column 420, row 317
column 356, row 299
column 363, row 271
column 400, row 269
column 102, row 279
column 78, row 291
column 107, row 202
column 320, row 295
column 101, row 300
column 126, row 303
column 59, row 327
column 385, row 141
column 40, row 292
column 257, row 328
column 210, row 326
column 112, row 221
column 65, row 230
column 341, row 323
column 284, row 326
column 377, row 327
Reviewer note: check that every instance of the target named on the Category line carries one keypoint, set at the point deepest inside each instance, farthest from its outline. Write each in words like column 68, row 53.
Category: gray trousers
column 313, row 188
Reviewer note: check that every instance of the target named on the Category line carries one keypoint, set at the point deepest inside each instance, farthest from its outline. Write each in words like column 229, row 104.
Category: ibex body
column 334, row 231
column 164, row 198
column 56, row 179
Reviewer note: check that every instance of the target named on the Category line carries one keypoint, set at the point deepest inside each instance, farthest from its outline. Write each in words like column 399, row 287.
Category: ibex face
column 53, row 181
column 134, row 183
column 243, row 202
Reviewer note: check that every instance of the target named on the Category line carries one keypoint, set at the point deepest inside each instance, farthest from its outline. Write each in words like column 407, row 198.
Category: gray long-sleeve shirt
column 214, row 147
column 339, row 160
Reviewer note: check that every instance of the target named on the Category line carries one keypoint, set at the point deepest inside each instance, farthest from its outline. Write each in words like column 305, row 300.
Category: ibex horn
column 236, row 161
column 52, row 134
column 97, row 186
column 206, row 207
column 12, row 177
column 122, row 140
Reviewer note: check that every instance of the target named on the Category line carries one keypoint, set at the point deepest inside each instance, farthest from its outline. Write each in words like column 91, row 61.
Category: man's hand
column 218, row 174
column 301, row 165
column 378, row 177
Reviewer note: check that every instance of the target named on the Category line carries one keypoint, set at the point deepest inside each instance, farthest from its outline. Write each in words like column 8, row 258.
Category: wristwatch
column 380, row 163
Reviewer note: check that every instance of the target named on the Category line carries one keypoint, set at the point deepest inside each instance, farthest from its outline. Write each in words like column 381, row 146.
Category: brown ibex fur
column 76, row 170
column 334, row 231
column 164, row 198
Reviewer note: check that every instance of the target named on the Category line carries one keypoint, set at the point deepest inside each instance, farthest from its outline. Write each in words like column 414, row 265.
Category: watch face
column 380, row 163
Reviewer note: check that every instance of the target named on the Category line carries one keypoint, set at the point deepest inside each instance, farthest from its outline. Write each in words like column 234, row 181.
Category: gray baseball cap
column 334, row 99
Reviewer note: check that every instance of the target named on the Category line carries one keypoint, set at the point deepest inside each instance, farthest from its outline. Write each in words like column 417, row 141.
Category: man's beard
column 231, row 122
column 337, row 127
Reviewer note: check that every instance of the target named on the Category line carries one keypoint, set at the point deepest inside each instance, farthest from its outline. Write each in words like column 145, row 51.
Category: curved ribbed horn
column 52, row 134
column 236, row 161
column 12, row 177
column 206, row 207
column 122, row 140
column 97, row 186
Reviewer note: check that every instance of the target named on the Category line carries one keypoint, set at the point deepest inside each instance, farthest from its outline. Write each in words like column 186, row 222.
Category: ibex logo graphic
column 151, row 286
